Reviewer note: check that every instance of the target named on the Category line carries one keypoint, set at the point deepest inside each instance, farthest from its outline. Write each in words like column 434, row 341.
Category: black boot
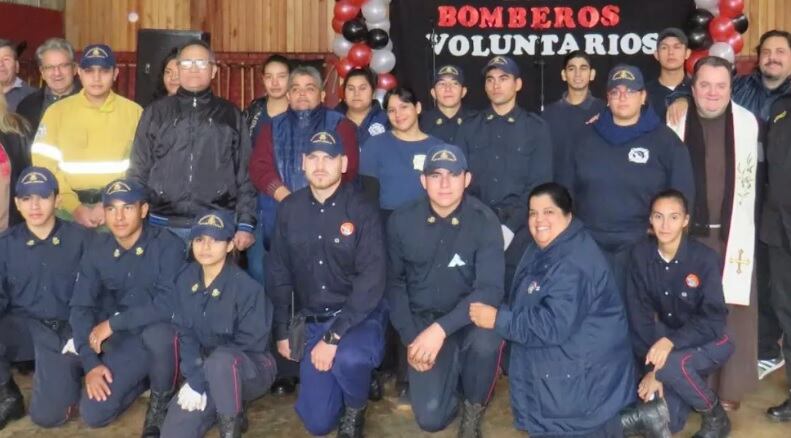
column 471, row 416
column 780, row 413
column 284, row 385
column 229, row 426
column 715, row 423
column 11, row 405
column 376, row 388
column 155, row 415
column 630, row 421
column 651, row 419
column 352, row 422
column 244, row 423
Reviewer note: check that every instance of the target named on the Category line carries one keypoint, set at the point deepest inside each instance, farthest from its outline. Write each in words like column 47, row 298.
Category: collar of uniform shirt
column 330, row 201
column 30, row 237
column 452, row 218
column 511, row 116
column 138, row 247
column 681, row 253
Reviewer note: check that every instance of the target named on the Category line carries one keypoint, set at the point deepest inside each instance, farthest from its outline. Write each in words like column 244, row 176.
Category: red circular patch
column 347, row 228
column 692, row 280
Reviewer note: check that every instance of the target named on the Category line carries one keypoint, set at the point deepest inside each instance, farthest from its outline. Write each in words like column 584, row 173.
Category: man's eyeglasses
column 616, row 93
column 51, row 68
column 201, row 64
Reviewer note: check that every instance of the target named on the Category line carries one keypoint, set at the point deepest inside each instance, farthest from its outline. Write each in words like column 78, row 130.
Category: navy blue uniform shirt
column 124, row 286
column 565, row 120
column 681, row 300
column 232, row 311
column 509, row 155
column 438, row 266
column 434, row 122
column 658, row 93
column 330, row 255
column 38, row 275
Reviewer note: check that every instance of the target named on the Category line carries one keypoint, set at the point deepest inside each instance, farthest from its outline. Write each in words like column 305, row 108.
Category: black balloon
column 699, row 39
column 741, row 23
column 355, row 30
column 377, row 38
column 699, row 20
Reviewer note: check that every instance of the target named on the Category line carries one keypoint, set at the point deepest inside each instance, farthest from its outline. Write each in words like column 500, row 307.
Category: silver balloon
column 712, row 6
column 384, row 25
column 375, row 10
column 383, row 61
column 379, row 95
column 724, row 51
column 389, row 45
column 340, row 45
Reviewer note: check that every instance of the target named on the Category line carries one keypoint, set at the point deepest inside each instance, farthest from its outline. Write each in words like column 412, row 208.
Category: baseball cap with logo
column 100, row 55
column 445, row 156
column 124, row 190
column 504, row 63
column 449, row 71
column 217, row 224
column 627, row 75
column 325, row 141
column 36, row 181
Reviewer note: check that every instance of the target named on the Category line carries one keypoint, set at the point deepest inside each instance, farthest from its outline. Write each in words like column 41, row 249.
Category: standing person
column 55, row 59
column 360, row 107
column 444, row 120
column 191, row 150
column 672, row 51
column 619, row 163
column 224, row 319
column 722, row 138
column 510, row 152
column 11, row 85
column 326, row 278
column 39, row 260
column 445, row 252
column 168, row 84
column 86, row 139
column 119, row 312
column 677, row 317
column 576, row 108
column 14, row 158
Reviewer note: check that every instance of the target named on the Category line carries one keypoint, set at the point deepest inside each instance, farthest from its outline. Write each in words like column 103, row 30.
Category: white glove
column 191, row 400
column 508, row 236
column 69, row 347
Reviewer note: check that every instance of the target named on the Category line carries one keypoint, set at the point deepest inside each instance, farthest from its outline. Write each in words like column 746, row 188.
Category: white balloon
column 375, row 10
column 382, row 61
column 706, row 4
column 389, row 45
column 340, row 45
column 724, row 51
column 384, row 25
column 379, row 95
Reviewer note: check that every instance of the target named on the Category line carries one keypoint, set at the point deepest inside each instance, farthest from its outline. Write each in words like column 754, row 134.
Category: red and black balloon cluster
column 715, row 29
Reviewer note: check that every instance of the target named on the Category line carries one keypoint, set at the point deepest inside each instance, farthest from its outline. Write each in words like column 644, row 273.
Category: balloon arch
column 715, row 29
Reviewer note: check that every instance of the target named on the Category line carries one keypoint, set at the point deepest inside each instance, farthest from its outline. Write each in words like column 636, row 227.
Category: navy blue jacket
column 750, row 92
column 658, row 94
column 437, row 267
column 232, row 311
column 508, row 155
column 571, row 366
column 681, row 299
column 124, row 286
column 437, row 124
column 37, row 276
column 375, row 123
column 331, row 255
column 565, row 121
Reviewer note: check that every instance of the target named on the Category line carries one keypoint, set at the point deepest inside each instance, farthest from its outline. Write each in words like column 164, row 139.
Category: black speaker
column 153, row 45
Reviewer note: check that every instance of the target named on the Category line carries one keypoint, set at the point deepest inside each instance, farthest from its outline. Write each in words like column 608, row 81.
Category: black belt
column 320, row 318
column 89, row 196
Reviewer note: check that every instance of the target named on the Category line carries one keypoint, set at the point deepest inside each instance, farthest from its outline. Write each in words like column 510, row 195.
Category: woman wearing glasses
column 619, row 162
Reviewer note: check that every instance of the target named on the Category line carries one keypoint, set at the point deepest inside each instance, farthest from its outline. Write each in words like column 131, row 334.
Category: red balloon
column 694, row 58
column 358, row 2
column 344, row 67
column 737, row 42
column 731, row 8
column 721, row 28
column 360, row 55
column 337, row 25
column 345, row 10
column 386, row 81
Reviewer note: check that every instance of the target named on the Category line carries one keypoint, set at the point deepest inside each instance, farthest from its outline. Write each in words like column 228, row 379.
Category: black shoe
column 715, row 423
column 630, row 421
column 284, row 385
column 376, row 388
column 11, row 405
column 352, row 422
column 155, row 415
column 651, row 419
column 471, row 416
column 780, row 413
column 245, row 423
column 229, row 426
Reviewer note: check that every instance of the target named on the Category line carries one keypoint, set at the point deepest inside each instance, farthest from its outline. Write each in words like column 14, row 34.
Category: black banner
column 536, row 33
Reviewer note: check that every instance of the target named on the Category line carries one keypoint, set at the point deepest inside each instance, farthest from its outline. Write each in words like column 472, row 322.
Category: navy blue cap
column 672, row 32
column 125, row 190
column 504, row 63
column 36, row 181
column 217, row 224
column 97, row 55
column 325, row 141
column 451, row 71
column 627, row 75
column 445, row 156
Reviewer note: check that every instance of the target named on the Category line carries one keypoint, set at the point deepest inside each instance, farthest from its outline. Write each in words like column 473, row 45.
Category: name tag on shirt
column 417, row 162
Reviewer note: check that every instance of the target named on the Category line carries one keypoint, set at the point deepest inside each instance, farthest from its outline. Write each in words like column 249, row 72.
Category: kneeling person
column 120, row 315
column 445, row 252
column 224, row 319
column 39, row 260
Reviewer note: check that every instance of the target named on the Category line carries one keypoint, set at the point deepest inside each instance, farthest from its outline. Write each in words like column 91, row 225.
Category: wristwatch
column 331, row 338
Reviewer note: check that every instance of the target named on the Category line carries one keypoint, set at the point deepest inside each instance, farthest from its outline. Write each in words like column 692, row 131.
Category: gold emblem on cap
column 117, row 253
column 623, row 74
column 454, row 221
column 118, row 187
column 322, row 137
column 212, row 220
column 431, row 219
column 34, row 178
column 55, row 241
column 215, row 293
column 139, row 250
column 498, row 60
column 444, row 155
column 195, row 287
column 30, row 242
column 96, row 52
column 448, row 70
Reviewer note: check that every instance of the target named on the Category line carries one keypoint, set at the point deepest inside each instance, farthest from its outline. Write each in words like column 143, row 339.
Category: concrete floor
column 274, row 417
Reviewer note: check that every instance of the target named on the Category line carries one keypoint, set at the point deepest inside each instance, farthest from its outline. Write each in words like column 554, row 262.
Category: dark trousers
column 234, row 377
column 324, row 394
column 684, row 379
column 619, row 262
column 780, row 268
column 769, row 331
column 135, row 361
column 514, row 254
column 465, row 369
column 16, row 344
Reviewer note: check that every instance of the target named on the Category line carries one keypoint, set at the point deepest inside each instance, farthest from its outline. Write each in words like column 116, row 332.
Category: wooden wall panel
column 765, row 15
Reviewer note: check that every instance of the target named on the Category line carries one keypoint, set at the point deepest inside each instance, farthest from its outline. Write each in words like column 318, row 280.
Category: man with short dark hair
column 448, row 90
column 672, row 51
column 11, row 85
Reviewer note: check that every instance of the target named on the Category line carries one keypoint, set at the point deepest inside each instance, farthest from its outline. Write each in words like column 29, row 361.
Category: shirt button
column 667, row 268
column 319, row 236
column 321, row 262
column 496, row 157
column 494, row 179
column 669, row 314
column 322, row 210
column 667, row 293
column 323, row 287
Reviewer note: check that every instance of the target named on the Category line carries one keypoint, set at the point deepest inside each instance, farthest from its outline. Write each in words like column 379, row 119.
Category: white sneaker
column 768, row 366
